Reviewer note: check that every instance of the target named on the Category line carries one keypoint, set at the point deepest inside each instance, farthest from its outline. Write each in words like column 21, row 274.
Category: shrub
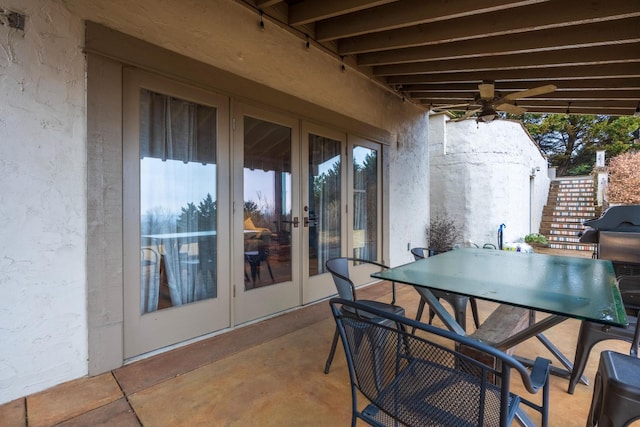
column 624, row 179
column 536, row 239
column 442, row 233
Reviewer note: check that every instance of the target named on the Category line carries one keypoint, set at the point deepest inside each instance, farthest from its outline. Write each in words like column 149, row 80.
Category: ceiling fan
column 488, row 102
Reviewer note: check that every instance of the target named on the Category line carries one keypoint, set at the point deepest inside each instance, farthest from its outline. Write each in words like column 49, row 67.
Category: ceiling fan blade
column 487, row 90
column 511, row 109
column 530, row 92
column 448, row 107
column 467, row 115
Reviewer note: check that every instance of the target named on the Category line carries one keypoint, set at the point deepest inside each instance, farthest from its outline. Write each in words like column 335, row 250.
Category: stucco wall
column 481, row 176
column 43, row 154
column 43, row 327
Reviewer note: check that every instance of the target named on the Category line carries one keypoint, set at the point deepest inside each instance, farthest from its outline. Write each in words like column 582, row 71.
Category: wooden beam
column 622, row 84
column 585, row 95
column 578, row 36
column 570, row 57
column 305, row 12
column 550, row 74
column 408, row 13
column 530, row 18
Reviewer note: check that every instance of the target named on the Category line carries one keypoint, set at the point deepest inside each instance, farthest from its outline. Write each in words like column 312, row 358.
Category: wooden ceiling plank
column 309, row 11
column 588, row 35
column 570, row 57
column 530, row 18
column 407, row 13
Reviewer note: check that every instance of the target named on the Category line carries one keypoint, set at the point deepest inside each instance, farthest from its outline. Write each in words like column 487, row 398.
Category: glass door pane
column 365, row 203
column 178, row 201
column 325, row 197
column 267, row 202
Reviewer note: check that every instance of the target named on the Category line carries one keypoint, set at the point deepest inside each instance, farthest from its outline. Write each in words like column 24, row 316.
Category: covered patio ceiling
column 436, row 53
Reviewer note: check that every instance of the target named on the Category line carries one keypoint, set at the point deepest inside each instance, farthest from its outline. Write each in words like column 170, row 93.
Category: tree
column 571, row 141
column 624, row 179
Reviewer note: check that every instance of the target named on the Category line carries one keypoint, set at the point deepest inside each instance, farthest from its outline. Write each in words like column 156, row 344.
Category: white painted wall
column 43, row 203
column 43, row 326
column 481, row 176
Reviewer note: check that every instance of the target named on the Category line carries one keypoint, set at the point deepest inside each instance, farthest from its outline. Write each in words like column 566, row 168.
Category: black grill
column 617, row 236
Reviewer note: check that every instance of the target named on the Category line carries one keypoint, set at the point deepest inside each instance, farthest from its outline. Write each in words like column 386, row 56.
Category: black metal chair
column 430, row 377
column 458, row 302
column 592, row 333
column 339, row 269
column 616, row 391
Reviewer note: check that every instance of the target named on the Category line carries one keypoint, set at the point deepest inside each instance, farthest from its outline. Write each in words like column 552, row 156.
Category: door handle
column 295, row 222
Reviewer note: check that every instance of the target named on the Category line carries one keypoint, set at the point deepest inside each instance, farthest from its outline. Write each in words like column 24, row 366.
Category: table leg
column 442, row 313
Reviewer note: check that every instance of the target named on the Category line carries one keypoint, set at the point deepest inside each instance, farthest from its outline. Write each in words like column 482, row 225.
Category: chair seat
column 438, row 403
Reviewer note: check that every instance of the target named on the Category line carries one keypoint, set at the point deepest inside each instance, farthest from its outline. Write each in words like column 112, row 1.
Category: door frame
column 148, row 332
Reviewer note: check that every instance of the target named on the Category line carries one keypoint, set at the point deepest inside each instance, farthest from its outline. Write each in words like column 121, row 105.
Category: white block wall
column 481, row 176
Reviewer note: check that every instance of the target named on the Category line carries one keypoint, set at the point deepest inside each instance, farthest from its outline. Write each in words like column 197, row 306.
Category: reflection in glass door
column 365, row 203
column 324, row 210
column 178, row 201
column 324, row 206
column 267, row 203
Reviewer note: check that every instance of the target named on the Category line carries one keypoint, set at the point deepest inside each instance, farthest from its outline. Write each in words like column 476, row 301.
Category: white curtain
column 173, row 130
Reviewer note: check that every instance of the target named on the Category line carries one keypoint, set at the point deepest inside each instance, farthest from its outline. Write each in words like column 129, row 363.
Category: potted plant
column 442, row 234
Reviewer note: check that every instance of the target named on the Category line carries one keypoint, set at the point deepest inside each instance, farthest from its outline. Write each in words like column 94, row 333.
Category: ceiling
column 436, row 53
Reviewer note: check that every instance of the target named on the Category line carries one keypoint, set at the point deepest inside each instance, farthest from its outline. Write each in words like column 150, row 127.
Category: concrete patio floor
column 266, row 374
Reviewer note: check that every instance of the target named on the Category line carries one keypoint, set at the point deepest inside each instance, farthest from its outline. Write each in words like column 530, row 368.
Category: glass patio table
column 564, row 287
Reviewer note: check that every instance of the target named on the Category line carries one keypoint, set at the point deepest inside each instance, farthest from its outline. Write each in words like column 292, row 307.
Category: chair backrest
column 630, row 292
column 339, row 269
column 421, row 378
column 420, row 253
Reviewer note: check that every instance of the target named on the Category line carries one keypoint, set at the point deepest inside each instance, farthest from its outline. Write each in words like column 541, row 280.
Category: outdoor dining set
column 414, row 373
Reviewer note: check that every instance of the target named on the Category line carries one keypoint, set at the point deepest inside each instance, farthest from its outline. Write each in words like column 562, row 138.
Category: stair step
column 564, row 232
column 567, row 226
column 563, row 239
column 571, row 246
column 580, row 214
column 575, row 208
column 590, row 203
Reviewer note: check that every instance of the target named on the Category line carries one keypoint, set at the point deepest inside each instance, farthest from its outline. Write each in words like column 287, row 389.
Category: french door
column 324, row 198
column 218, row 236
column 267, row 216
column 176, row 234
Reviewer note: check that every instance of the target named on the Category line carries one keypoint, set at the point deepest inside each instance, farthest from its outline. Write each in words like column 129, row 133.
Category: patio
column 267, row 373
